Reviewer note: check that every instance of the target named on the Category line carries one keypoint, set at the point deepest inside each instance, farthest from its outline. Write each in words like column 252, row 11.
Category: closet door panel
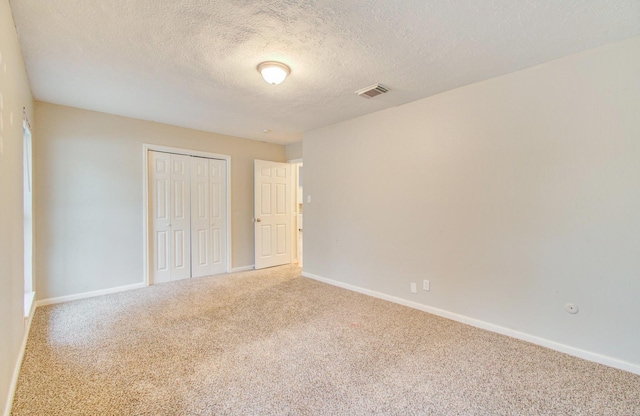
column 218, row 215
column 200, row 211
column 160, row 208
column 180, row 217
column 188, row 216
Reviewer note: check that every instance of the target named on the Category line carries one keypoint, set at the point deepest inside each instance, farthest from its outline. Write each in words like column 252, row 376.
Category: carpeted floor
column 272, row 342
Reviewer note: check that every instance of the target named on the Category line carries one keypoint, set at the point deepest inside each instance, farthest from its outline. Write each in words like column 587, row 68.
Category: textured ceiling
column 192, row 63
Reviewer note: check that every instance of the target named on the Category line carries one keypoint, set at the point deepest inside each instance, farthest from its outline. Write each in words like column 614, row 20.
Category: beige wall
column 89, row 208
column 16, row 94
column 294, row 151
column 513, row 196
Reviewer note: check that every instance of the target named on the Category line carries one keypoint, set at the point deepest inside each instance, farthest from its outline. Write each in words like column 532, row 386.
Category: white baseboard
column 18, row 365
column 85, row 295
column 576, row 352
column 242, row 268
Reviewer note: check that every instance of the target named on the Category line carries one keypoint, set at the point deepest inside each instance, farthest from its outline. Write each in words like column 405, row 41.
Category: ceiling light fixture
column 274, row 72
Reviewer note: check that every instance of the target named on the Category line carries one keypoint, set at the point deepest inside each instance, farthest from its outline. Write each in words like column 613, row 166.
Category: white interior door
column 170, row 216
column 272, row 199
column 208, row 216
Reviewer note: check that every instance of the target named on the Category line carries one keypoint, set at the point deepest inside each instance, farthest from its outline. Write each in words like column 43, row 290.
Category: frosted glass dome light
column 274, row 72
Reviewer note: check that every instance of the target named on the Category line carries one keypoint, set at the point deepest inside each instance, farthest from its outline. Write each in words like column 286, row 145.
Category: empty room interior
column 467, row 173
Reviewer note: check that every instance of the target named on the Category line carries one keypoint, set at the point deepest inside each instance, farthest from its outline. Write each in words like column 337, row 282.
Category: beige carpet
column 272, row 342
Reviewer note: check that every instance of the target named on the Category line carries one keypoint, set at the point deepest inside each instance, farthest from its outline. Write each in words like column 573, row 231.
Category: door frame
column 298, row 255
column 146, row 147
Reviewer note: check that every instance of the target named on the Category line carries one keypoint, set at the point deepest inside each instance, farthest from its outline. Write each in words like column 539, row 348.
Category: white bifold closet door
column 171, row 216
column 188, row 210
column 208, row 219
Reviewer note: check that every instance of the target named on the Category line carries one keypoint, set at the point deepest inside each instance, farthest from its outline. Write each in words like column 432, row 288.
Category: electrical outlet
column 414, row 288
column 425, row 285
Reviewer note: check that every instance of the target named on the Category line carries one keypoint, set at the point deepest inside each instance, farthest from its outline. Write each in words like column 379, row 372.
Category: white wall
column 513, row 196
column 16, row 94
column 89, row 205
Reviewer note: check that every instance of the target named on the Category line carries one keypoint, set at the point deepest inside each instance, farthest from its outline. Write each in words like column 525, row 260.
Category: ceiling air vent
column 372, row 91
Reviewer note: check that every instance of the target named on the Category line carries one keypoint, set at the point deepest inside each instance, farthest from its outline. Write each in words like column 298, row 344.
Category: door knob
column 258, row 220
